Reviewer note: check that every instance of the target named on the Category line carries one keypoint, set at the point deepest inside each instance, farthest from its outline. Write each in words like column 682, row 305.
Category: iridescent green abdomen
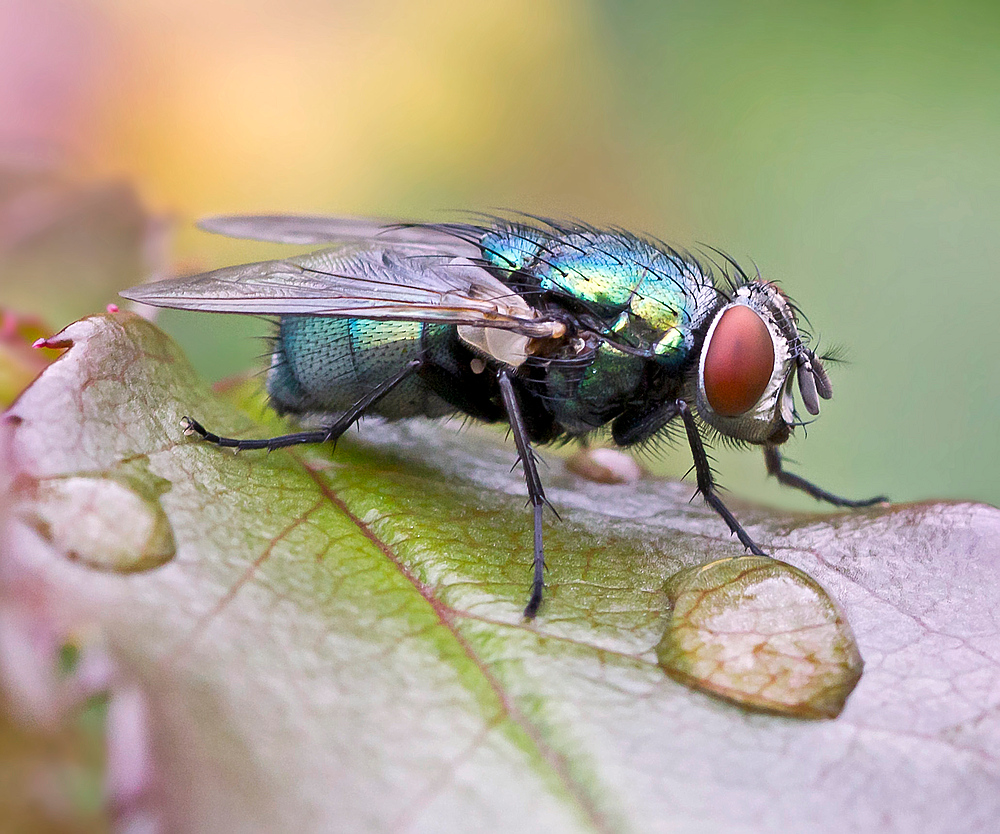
column 327, row 364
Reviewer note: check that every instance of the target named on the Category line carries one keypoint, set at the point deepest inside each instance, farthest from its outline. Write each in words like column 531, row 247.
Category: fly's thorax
column 646, row 299
column 585, row 391
column 751, row 351
column 599, row 273
column 664, row 322
column 511, row 248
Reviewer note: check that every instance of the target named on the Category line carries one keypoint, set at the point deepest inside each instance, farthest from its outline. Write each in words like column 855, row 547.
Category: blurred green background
column 850, row 150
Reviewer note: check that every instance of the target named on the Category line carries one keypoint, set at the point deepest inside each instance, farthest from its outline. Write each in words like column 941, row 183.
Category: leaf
column 337, row 642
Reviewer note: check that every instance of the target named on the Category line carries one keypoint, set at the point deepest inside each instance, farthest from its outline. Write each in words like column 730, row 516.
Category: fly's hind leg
column 772, row 459
column 536, row 495
column 323, row 435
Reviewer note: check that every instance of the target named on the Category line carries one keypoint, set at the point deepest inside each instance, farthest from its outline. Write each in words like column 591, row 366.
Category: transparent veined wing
column 445, row 239
column 404, row 284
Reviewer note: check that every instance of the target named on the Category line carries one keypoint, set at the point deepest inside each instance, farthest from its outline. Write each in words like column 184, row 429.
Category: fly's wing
column 404, row 284
column 452, row 239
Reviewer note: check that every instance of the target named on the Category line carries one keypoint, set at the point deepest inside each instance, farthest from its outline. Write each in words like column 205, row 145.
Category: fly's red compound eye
column 739, row 362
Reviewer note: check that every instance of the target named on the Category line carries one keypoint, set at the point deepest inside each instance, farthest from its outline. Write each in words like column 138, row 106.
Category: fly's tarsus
column 775, row 467
column 193, row 427
column 325, row 435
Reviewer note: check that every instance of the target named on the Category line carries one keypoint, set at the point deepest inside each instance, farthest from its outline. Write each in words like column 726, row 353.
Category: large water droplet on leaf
column 760, row 633
column 107, row 523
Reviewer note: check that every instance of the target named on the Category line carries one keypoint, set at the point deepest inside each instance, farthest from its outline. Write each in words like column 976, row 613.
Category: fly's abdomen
column 324, row 364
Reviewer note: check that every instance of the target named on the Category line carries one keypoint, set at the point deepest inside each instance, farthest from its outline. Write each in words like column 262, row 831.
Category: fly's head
column 752, row 353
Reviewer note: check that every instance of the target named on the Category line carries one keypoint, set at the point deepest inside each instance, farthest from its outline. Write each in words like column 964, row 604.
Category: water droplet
column 104, row 523
column 605, row 466
column 760, row 633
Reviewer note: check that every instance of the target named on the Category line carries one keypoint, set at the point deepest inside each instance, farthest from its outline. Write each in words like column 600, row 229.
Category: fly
column 559, row 330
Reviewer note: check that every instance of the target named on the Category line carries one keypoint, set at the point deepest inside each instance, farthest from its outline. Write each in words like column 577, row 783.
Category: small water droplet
column 605, row 466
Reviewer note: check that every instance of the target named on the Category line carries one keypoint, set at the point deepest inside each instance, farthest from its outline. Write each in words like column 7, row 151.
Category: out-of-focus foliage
column 19, row 361
column 51, row 776
column 66, row 248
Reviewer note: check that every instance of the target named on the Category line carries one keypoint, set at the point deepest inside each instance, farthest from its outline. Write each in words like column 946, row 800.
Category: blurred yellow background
column 849, row 150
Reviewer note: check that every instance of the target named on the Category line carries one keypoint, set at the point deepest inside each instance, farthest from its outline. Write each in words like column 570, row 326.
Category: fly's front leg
column 324, row 435
column 706, row 484
column 536, row 494
column 772, row 459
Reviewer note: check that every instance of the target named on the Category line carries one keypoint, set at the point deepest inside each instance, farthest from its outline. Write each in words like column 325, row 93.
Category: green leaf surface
column 334, row 641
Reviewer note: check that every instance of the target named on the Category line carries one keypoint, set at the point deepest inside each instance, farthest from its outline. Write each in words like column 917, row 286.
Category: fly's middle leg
column 324, row 435
column 536, row 495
